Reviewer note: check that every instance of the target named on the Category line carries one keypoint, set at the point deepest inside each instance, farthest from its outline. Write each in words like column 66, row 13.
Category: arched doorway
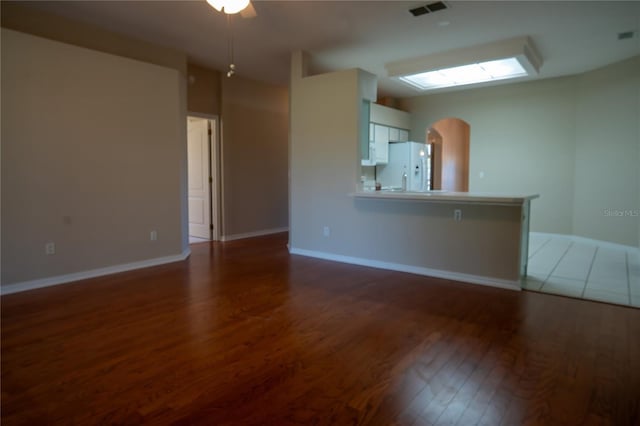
column 434, row 141
column 450, row 149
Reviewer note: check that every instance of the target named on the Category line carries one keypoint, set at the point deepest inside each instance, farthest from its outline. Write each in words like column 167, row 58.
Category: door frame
column 215, row 187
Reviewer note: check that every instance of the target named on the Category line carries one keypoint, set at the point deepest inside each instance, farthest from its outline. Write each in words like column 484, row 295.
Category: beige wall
column 544, row 137
column 607, row 153
column 203, row 94
column 254, row 156
column 324, row 135
column 264, row 106
column 93, row 159
column 324, row 170
column 254, row 136
column 31, row 21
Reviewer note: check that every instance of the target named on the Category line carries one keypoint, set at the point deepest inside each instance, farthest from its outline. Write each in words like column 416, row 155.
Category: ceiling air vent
column 434, row 7
column 431, row 7
column 419, row 11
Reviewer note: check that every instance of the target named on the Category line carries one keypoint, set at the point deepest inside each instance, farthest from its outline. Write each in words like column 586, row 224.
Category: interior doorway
column 202, row 172
column 451, row 142
column 434, row 159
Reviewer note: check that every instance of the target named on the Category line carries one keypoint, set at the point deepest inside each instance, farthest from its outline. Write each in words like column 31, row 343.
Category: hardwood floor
column 242, row 333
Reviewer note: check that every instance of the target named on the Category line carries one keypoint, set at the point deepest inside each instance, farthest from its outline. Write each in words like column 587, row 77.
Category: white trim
column 253, row 234
column 213, row 138
column 214, row 172
column 585, row 240
column 83, row 275
column 456, row 276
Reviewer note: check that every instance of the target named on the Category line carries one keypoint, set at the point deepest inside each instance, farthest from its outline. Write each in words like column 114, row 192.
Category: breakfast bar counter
column 481, row 238
column 447, row 197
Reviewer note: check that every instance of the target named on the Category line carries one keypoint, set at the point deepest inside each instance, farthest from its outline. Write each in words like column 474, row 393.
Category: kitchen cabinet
column 381, row 141
column 390, row 117
column 369, row 158
column 386, row 125
column 365, row 130
column 379, row 138
column 398, row 135
column 394, row 134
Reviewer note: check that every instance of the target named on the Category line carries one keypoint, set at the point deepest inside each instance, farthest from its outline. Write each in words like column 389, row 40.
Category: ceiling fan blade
column 248, row 12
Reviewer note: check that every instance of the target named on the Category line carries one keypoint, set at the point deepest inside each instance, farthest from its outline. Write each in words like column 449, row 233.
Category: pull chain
column 232, row 66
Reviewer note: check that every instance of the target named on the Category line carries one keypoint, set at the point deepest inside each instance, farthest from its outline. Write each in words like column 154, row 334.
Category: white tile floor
column 584, row 269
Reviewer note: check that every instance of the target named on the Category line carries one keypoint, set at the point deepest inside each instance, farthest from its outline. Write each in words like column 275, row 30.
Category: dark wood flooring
column 243, row 333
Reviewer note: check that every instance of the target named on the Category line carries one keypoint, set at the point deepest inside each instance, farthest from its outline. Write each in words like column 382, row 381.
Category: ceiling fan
column 231, row 7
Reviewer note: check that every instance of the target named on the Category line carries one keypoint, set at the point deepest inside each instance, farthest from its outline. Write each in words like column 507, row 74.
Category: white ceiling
column 572, row 37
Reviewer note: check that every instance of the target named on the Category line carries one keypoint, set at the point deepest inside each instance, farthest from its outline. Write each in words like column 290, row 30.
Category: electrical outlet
column 50, row 248
column 326, row 231
column 457, row 215
column 153, row 235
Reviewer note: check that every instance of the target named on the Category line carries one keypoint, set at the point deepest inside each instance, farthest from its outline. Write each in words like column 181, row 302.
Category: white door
column 198, row 177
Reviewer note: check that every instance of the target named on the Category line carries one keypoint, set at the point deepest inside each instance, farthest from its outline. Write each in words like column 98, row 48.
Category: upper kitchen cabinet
column 385, row 125
column 367, row 150
column 381, row 140
column 398, row 135
column 394, row 134
column 390, row 117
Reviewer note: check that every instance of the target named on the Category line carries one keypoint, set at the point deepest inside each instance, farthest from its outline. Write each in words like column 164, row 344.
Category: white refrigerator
column 414, row 158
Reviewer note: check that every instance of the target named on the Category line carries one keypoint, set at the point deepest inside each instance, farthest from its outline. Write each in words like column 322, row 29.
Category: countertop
column 446, row 197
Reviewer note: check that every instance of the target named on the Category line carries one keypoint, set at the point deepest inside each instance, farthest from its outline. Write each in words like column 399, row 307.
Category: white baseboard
column 585, row 240
column 93, row 273
column 253, row 234
column 419, row 270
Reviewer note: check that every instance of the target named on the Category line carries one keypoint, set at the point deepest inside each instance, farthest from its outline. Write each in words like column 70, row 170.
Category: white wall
column 574, row 140
column 93, row 159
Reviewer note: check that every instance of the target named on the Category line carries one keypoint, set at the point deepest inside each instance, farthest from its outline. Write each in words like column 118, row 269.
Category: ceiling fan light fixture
column 228, row 6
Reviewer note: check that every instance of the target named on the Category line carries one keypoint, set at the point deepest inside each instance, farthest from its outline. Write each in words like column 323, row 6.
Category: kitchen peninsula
column 409, row 232
column 473, row 237
column 447, row 197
